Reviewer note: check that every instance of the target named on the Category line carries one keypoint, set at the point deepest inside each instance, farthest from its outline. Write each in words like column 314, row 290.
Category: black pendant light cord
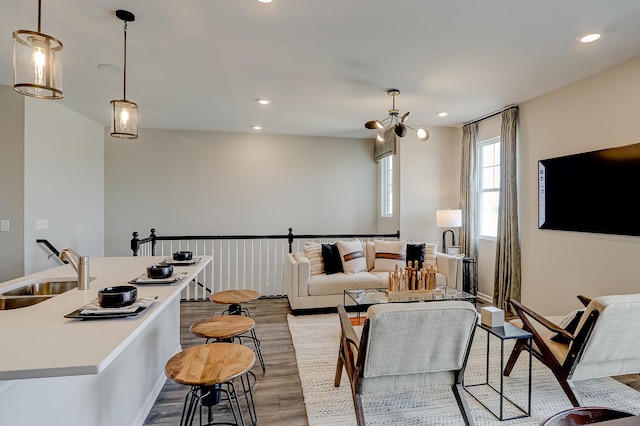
column 124, row 95
column 39, row 7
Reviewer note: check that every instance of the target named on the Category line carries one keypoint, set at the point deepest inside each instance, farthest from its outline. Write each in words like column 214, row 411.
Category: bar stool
column 210, row 370
column 226, row 328
column 234, row 298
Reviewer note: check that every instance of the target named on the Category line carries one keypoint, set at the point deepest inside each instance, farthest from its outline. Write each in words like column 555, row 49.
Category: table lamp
column 448, row 219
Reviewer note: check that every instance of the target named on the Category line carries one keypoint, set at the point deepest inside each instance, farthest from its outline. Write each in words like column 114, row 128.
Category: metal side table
column 504, row 333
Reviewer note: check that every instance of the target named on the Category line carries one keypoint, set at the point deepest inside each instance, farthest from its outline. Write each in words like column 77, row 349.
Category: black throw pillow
column 569, row 328
column 415, row 252
column 331, row 259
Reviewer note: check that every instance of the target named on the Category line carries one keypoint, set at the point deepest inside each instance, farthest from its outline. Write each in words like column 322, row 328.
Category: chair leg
column 515, row 353
column 336, row 381
column 458, row 392
column 357, row 403
column 570, row 390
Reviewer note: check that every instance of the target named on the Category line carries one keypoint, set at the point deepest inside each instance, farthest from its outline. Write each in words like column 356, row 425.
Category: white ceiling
column 325, row 64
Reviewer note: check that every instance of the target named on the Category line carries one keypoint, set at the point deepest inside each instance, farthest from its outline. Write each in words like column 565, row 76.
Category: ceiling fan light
column 404, row 117
column 423, row 134
column 380, row 138
column 374, row 124
column 401, row 130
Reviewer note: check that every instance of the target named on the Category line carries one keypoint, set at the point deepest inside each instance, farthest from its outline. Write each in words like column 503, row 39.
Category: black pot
column 118, row 296
column 182, row 255
column 159, row 271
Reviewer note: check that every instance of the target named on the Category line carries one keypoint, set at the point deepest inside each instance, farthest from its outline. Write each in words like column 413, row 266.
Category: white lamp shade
column 37, row 65
column 448, row 218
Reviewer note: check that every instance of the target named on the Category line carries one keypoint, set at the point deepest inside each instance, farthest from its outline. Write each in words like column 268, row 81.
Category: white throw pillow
column 370, row 252
column 313, row 252
column 389, row 254
column 430, row 250
column 352, row 255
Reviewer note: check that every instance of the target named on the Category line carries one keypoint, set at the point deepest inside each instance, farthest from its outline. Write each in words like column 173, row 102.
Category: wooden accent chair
column 404, row 346
column 606, row 341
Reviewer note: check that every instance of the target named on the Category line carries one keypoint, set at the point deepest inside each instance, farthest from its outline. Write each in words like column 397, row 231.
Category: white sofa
column 306, row 291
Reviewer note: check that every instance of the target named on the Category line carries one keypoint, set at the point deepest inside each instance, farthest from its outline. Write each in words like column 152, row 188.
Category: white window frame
column 386, row 186
column 480, row 168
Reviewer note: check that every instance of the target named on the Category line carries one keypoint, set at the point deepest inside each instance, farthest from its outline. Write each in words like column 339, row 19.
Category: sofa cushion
column 390, row 254
column 313, row 252
column 415, row 253
column 353, row 257
column 320, row 285
column 331, row 259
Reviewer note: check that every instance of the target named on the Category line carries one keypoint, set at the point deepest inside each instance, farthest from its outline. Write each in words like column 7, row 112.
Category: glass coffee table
column 363, row 298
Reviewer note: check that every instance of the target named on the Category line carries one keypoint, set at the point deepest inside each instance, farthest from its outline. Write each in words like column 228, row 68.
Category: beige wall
column 429, row 181
column 11, row 183
column 211, row 183
column 598, row 112
column 64, row 182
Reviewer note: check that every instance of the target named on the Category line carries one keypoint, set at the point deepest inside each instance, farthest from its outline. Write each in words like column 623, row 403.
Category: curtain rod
column 491, row 114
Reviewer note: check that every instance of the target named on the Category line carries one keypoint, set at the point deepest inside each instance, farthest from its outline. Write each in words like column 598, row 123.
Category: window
column 386, row 186
column 489, row 187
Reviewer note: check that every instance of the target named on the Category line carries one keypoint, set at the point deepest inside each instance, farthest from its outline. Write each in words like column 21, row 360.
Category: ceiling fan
column 393, row 120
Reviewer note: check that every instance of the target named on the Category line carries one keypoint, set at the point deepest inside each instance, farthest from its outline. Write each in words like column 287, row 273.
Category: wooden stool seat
column 210, row 364
column 222, row 327
column 231, row 297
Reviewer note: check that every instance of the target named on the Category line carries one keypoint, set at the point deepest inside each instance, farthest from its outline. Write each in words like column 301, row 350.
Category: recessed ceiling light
column 265, row 1
column 264, row 101
column 443, row 114
column 110, row 69
column 589, row 38
column 256, row 127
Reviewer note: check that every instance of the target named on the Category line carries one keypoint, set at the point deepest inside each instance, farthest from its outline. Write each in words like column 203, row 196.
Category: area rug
column 316, row 340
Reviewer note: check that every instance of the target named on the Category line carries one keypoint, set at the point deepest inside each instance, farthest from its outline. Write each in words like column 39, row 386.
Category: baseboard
column 485, row 298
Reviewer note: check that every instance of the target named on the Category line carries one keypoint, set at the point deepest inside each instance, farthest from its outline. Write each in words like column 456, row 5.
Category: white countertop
column 37, row 341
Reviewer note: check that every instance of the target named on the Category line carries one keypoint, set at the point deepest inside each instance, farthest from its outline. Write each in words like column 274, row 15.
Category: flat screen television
column 597, row 191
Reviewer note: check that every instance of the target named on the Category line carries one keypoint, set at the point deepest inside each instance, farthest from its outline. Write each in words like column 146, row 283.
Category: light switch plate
column 4, row 225
column 42, row 223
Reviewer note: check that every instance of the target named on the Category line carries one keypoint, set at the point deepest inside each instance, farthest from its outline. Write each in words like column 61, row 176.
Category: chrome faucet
column 81, row 266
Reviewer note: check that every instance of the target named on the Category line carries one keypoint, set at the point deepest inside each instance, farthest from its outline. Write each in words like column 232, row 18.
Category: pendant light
column 124, row 113
column 37, row 63
column 398, row 124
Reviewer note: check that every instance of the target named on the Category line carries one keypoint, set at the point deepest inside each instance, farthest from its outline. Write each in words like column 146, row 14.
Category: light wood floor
column 278, row 394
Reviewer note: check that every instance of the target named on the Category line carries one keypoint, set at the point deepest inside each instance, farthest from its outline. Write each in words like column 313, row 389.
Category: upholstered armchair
column 406, row 346
column 606, row 341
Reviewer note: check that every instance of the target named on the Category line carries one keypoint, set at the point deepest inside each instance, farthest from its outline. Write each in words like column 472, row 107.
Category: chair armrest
column 584, row 300
column 347, row 327
column 525, row 313
column 451, row 267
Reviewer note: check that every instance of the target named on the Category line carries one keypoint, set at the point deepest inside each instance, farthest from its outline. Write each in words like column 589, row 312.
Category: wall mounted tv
column 597, row 191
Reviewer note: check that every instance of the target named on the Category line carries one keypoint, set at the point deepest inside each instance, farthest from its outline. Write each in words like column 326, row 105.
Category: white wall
column 429, row 181
column 64, row 182
column 211, row 183
column 598, row 112
column 11, row 183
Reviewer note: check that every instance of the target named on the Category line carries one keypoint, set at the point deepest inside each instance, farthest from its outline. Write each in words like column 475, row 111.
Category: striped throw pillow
column 353, row 258
column 389, row 254
column 313, row 252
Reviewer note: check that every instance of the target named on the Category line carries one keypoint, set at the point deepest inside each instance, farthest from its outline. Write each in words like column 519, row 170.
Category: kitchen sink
column 15, row 302
column 30, row 294
column 46, row 288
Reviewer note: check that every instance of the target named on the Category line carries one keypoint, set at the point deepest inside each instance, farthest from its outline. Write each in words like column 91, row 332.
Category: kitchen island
column 55, row 370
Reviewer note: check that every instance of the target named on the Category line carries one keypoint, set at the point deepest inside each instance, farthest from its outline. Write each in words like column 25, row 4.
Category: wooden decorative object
column 412, row 295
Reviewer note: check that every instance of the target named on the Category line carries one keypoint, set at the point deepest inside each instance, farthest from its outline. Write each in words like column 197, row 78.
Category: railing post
column 135, row 244
column 153, row 241
column 290, row 238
